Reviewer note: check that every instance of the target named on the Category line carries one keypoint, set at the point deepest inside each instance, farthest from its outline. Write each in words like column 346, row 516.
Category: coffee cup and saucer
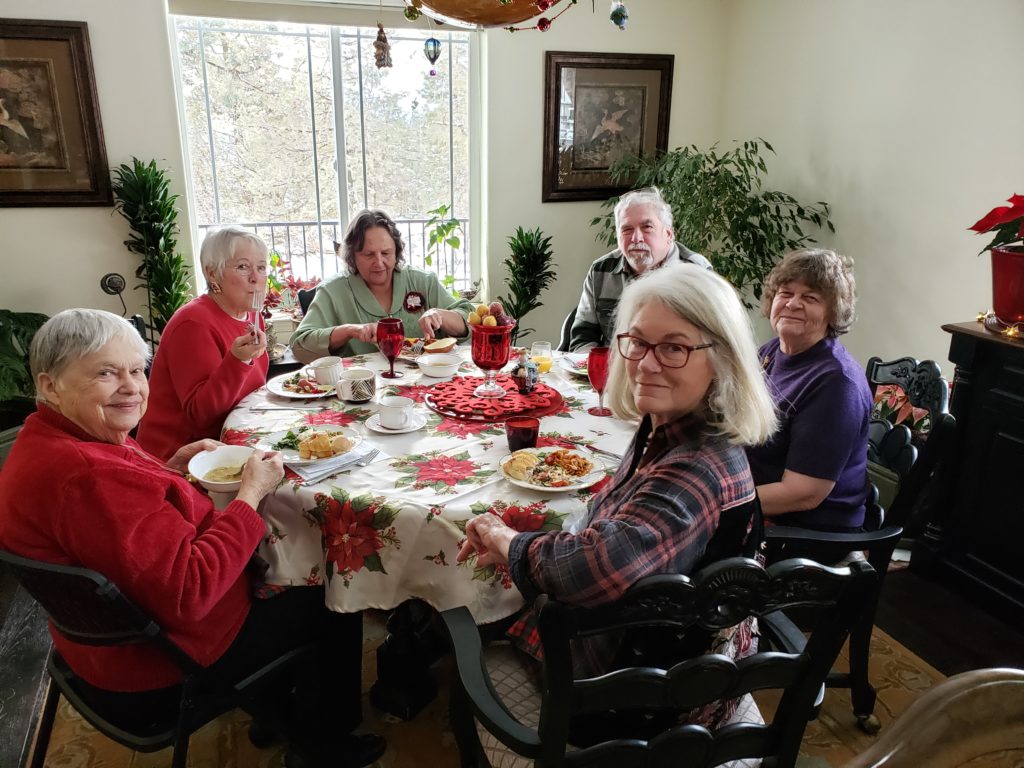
column 396, row 415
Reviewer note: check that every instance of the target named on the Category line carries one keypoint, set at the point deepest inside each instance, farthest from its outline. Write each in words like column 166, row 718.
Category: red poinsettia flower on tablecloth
column 353, row 531
column 339, row 418
column 413, row 391
column 435, row 470
column 444, row 469
column 357, row 361
column 569, row 404
column 240, row 436
column 558, row 440
column 523, row 519
column 463, row 428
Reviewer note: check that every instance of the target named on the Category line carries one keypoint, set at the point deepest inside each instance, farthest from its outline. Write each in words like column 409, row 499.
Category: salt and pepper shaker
column 525, row 374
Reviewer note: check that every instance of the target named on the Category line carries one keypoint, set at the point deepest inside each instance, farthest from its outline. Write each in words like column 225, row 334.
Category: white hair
column 221, row 244
column 74, row 333
column 738, row 404
column 646, row 196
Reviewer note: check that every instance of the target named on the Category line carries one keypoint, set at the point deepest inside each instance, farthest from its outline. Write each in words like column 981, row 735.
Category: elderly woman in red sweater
column 213, row 351
column 77, row 490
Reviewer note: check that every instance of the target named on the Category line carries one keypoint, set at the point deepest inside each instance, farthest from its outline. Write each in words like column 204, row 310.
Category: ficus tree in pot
column 143, row 198
column 722, row 208
column 529, row 274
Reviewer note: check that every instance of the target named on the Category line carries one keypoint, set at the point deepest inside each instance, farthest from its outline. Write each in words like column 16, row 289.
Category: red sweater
column 67, row 498
column 195, row 380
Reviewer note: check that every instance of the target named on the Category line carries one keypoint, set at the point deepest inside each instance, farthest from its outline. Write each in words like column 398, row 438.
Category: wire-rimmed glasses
column 671, row 354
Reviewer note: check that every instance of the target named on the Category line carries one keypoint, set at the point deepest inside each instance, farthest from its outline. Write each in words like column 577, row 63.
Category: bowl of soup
column 220, row 470
column 440, row 365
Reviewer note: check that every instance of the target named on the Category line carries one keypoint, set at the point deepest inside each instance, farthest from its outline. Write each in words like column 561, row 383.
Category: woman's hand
column 179, row 461
column 250, row 345
column 490, row 538
column 343, row 334
column 261, row 475
column 431, row 321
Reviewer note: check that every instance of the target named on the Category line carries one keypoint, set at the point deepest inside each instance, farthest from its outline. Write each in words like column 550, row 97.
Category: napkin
column 314, row 473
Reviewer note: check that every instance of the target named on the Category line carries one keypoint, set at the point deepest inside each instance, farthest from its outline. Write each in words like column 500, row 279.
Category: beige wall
column 906, row 116
column 56, row 256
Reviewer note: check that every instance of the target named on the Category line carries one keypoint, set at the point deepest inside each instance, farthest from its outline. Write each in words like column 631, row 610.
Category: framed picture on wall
column 51, row 138
column 598, row 108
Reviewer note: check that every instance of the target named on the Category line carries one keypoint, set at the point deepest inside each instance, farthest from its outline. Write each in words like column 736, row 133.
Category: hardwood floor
column 947, row 630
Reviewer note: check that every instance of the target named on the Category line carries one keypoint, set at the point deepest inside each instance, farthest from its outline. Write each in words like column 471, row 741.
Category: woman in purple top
column 813, row 472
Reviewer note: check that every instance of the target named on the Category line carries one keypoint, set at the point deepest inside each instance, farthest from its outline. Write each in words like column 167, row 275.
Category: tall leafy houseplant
column 529, row 273
column 721, row 208
column 16, row 387
column 143, row 198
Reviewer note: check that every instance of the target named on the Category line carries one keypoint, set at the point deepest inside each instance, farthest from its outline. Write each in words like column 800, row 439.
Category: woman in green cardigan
column 342, row 320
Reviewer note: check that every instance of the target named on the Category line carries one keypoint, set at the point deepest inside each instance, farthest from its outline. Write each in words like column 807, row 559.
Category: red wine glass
column 390, row 335
column 597, row 372
column 491, row 344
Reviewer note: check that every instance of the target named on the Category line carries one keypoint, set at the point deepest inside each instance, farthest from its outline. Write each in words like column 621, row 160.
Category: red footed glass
column 597, row 372
column 490, row 348
column 390, row 335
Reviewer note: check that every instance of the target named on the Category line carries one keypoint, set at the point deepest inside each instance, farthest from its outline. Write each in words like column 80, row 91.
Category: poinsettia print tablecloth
column 380, row 534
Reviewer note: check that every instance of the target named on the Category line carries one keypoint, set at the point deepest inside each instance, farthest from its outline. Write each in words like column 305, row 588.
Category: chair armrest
column 782, row 633
column 483, row 699
column 833, row 545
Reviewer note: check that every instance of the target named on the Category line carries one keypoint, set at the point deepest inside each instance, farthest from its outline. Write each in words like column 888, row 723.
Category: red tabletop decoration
column 455, row 399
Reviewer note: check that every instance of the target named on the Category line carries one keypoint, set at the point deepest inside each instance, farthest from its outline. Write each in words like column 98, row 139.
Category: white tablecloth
column 380, row 534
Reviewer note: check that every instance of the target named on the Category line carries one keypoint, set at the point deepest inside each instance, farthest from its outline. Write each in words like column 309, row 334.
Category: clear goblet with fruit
column 492, row 339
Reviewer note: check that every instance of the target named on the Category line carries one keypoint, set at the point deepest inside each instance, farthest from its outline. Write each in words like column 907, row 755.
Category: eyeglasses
column 671, row 354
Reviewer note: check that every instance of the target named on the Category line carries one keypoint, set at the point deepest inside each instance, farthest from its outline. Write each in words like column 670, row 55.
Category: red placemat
column 455, row 399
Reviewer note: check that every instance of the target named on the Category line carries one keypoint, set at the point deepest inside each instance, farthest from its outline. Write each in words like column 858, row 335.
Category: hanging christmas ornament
column 619, row 14
column 432, row 50
column 381, row 48
column 543, row 5
column 543, row 23
column 412, row 12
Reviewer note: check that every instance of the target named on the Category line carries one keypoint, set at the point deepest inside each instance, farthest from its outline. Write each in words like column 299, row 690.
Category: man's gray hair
column 738, row 404
column 646, row 196
column 74, row 333
column 221, row 244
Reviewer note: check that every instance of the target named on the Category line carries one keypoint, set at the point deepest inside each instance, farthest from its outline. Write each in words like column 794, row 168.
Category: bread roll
column 440, row 345
column 520, row 464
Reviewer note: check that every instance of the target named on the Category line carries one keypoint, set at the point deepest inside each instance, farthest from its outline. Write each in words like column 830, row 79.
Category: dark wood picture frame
column 599, row 107
column 51, row 138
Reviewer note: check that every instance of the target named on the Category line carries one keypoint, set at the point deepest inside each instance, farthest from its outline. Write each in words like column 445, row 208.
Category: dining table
column 388, row 528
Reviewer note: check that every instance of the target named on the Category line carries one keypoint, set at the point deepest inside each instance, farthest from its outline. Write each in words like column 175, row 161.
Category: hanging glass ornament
column 412, row 12
column 432, row 50
column 543, row 5
column 619, row 14
column 543, row 24
column 381, row 48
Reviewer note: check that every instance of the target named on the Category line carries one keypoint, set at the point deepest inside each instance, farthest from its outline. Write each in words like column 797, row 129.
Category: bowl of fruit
column 492, row 339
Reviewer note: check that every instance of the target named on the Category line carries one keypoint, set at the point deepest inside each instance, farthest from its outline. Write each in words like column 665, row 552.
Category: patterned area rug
column 427, row 742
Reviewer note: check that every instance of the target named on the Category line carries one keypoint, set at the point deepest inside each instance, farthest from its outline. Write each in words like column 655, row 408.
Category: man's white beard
column 640, row 259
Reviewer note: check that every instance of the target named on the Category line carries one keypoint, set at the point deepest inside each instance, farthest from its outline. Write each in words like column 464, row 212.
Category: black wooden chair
column 305, row 296
column 530, row 716
column 917, row 472
column 89, row 609
column 563, row 339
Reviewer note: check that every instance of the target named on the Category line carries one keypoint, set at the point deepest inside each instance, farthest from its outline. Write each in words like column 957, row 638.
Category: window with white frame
column 291, row 128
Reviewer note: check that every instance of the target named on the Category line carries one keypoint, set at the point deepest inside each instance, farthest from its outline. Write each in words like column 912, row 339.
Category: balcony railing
column 309, row 247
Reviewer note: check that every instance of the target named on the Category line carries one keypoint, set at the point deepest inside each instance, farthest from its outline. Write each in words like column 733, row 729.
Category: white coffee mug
column 395, row 412
column 357, row 385
column 326, row 370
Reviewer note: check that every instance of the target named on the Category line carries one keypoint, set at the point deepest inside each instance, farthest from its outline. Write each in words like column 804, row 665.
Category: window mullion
column 209, row 122
column 341, row 153
column 362, row 116
column 316, row 160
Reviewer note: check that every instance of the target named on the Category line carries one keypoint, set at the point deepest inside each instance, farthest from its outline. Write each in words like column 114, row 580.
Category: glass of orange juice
column 540, row 353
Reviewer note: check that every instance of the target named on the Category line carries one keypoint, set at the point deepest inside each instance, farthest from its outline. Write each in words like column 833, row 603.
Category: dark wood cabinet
column 976, row 537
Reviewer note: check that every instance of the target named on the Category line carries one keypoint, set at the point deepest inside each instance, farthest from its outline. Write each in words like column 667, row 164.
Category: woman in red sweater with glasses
column 77, row 490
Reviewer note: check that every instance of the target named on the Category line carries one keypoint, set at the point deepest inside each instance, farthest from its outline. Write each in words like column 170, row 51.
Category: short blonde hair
column 74, row 333
column 221, row 244
column 738, row 404
column 822, row 270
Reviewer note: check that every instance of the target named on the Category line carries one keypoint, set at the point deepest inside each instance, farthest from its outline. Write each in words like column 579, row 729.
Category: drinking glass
column 390, row 335
column 522, row 432
column 491, row 344
column 540, row 353
column 597, row 372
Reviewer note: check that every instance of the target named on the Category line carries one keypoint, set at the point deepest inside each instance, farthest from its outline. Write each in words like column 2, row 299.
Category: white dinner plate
column 416, row 421
column 276, row 386
column 291, row 455
column 584, row 481
column 569, row 362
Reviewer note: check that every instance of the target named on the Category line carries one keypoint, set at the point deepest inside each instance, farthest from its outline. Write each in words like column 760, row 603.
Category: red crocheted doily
column 455, row 398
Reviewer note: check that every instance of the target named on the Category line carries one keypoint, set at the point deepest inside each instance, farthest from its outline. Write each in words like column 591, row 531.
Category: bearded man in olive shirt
column 643, row 226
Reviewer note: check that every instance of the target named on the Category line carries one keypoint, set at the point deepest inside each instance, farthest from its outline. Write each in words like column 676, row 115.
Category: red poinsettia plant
column 282, row 286
column 1007, row 221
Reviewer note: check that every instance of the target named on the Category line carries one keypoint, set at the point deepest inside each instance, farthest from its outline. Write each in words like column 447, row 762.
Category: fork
column 365, row 460
column 257, row 305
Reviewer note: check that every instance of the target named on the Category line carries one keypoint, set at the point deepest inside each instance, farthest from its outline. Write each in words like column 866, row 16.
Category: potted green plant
column 722, row 209
column 442, row 230
column 17, row 391
column 143, row 198
column 529, row 266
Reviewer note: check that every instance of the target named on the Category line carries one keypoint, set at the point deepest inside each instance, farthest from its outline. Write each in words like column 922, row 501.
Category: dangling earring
column 215, row 287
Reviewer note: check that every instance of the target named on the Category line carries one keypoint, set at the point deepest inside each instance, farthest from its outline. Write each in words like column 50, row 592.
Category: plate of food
column 551, row 469
column 309, row 444
column 576, row 364
column 299, row 386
